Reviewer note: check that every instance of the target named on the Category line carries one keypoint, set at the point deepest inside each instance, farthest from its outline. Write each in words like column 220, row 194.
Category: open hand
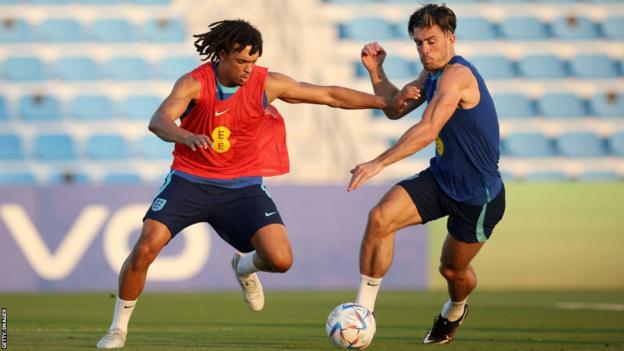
column 363, row 172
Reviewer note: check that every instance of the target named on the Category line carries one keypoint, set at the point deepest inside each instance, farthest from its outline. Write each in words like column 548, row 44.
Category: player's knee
column 448, row 272
column 142, row 256
column 281, row 263
column 377, row 218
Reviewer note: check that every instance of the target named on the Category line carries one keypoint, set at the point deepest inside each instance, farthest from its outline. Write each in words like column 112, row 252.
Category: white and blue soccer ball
column 350, row 326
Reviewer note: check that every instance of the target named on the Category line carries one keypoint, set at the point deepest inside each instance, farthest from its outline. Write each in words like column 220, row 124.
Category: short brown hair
column 432, row 14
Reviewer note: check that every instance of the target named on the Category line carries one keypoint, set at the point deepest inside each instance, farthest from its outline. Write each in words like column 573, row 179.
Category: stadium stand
column 77, row 68
column 24, row 69
column 55, row 147
column 39, row 108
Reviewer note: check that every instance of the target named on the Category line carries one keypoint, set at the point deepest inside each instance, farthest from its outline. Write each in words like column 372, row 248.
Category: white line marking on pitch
column 590, row 306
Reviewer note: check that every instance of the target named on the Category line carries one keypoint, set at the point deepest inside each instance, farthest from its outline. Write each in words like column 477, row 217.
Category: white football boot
column 250, row 285
column 114, row 339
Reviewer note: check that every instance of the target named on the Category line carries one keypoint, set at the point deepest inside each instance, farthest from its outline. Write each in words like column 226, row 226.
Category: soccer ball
column 350, row 326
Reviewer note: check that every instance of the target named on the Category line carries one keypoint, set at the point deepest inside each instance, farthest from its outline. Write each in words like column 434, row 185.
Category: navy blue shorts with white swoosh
column 235, row 214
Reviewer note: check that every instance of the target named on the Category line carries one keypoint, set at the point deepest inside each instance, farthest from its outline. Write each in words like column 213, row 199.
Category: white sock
column 121, row 316
column 245, row 264
column 367, row 293
column 453, row 310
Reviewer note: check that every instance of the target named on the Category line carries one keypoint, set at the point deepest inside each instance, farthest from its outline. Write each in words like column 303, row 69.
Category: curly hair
column 432, row 14
column 228, row 35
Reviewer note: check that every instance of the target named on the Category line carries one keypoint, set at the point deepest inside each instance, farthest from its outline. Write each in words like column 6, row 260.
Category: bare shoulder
column 187, row 85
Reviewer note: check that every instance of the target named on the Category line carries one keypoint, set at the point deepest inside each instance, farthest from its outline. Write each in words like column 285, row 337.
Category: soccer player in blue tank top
column 462, row 181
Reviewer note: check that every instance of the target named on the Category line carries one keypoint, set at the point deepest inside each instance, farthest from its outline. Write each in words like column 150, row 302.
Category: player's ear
column 451, row 37
column 222, row 54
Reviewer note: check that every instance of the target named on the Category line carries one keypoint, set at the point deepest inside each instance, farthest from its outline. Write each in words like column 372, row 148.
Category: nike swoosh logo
column 217, row 113
column 129, row 306
column 267, row 214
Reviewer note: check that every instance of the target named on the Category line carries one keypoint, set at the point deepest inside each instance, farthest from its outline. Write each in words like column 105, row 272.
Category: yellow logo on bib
column 220, row 142
column 439, row 146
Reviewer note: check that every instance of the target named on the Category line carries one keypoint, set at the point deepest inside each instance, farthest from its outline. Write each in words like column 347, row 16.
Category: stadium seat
column 475, row 28
column 17, row 178
column 152, row 2
column 24, row 69
column 594, row 66
column 494, row 66
column 51, row 2
column 140, row 107
column 77, row 68
column 598, row 176
column 107, row 147
column 164, row 30
column 150, row 147
column 39, row 108
column 613, row 27
column 15, row 31
column 608, row 104
column 545, row 176
column 367, row 29
column 122, row 178
column 616, row 144
column 574, row 28
column 91, row 107
column 175, row 67
column 513, row 105
column 395, row 67
column 128, row 68
column 523, row 28
column 581, row 144
column 68, row 176
column 11, row 147
column 528, row 144
column 54, row 147
column 561, row 105
column 113, row 30
column 61, row 30
column 4, row 110
column 101, row 2
column 543, row 66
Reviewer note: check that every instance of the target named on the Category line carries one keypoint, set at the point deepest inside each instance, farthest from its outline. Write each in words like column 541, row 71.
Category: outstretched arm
column 451, row 88
column 373, row 56
column 163, row 123
column 280, row 86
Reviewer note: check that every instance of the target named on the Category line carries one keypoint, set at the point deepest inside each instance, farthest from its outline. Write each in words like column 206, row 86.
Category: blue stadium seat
column 77, row 68
column 546, row 176
column 561, row 105
column 128, row 68
column 11, row 147
column 4, row 110
column 594, row 66
column 122, row 178
column 528, row 144
column 113, row 30
column 107, row 147
column 175, row 67
column 152, row 2
column 51, row 2
column 150, row 147
column 513, row 105
column 39, row 108
column 395, row 67
column 61, row 30
column 494, row 66
column 581, row 144
column 24, row 69
column 598, row 176
column 140, row 107
column 17, row 178
column 164, row 30
column 101, row 2
column 543, row 66
column 367, row 29
column 475, row 28
column 574, row 28
column 613, row 27
column 616, row 144
column 523, row 28
column 54, row 147
column 608, row 104
column 91, row 107
column 15, row 31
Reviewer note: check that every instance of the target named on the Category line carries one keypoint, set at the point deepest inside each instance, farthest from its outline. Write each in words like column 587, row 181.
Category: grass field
column 295, row 321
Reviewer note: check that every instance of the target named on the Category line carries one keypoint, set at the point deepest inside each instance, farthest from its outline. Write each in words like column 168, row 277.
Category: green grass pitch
column 294, row 320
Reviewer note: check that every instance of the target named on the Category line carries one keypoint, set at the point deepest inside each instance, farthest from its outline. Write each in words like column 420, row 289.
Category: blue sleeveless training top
column 465, row 165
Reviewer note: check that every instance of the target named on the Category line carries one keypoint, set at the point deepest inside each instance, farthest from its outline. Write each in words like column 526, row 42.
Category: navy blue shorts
column 235, row 214
column 467, row 223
